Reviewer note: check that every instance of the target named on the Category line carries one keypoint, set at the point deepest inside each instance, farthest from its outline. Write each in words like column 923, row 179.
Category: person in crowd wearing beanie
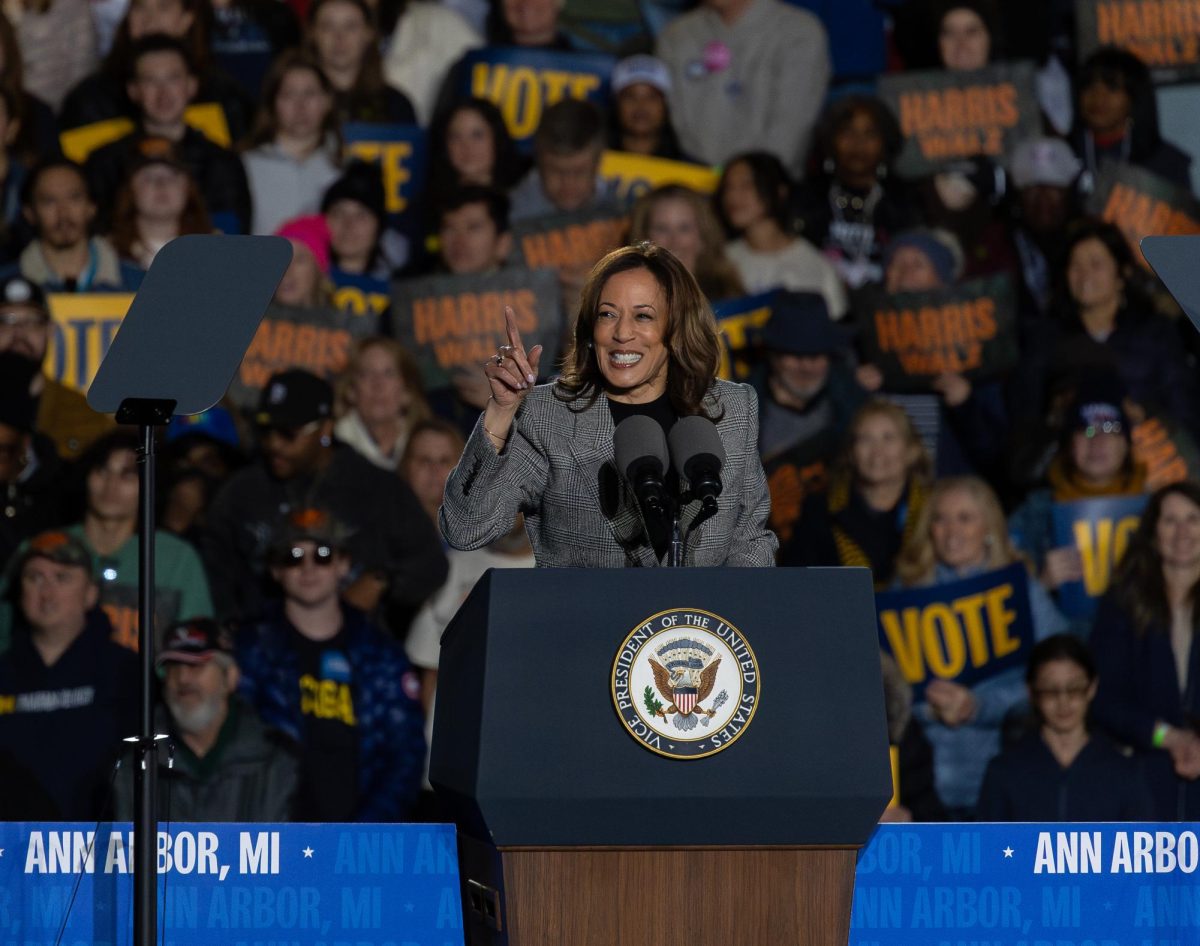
column 960, row 533
column 380, row 399
column 806, row 398
column 332, row 680
column 473, row 231
column 567, row 148
column 70, row 692
column 305, row 283
column 345, row 43
column 640, row 117
column 1043, row 172
column 856, row 204
column 109, row 533
column 63, row 256
column 746, row 75
column 226, row 765
column 1094, row 459
column 1117, row 119
column 397, row 556
column 683, row 222
column 31, row 490
column 470, row 144
column 157, row 202
column 162, row 84
column 752, row 199
column 360, row 242
column 1054, row 773
column 292, row 155
column 61, row 413
column 1104, row 322
column 1143, row 640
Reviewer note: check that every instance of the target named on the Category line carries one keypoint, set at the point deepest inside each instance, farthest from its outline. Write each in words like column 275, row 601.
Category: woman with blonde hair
column 644, row 343
column 380, row 398
column 875, row 496
column 960, row 533
column 683, row 221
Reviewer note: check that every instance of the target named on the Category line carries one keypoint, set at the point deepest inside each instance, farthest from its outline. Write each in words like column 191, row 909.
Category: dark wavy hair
column 507, row 169
column 841, row 112
column 1138, row 585
column 690, row 333
column 1110, row 236
column 771, row 182
column 1120, row 69
column 1060, row 647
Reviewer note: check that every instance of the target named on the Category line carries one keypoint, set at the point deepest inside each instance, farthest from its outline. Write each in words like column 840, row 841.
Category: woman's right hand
column 511, row 372
column 1062, row 565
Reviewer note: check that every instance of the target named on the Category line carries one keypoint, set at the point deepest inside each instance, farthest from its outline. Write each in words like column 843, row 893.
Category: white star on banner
column 1008, row 852
column 307, row 852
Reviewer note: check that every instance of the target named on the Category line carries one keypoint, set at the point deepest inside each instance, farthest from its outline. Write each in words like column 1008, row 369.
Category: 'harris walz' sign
column 317, row 340
column 912, row 337
column 964, row 631
column 523, row 83
column 1164, row 34
column 1142, row 204
column 454, row 323
column 568, row 240
column 947, row 116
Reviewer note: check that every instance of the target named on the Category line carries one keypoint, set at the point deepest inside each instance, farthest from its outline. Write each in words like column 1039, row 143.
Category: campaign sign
column 303, row 884
column 964, row 631
column 453, row 323
column 794, row 474
column 912, row 337
column 359, row 294
column 1167, row 451
column 206, row 117
column 568, row 240
column 523, row 83
column 1100, row 530
column 948, row 116
column 1164, row 34
column 1028, row 885
column 1142, row 204
column 400, row 152
column 317, row 340
column 631, row 175
column 740, row 321
column 82, row 326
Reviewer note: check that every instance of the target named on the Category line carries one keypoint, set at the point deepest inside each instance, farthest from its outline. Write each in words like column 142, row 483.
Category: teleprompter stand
column 177, row 349
column 572, row 832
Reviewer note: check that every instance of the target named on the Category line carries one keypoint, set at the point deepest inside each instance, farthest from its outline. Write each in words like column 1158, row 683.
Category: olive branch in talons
column 653, row 706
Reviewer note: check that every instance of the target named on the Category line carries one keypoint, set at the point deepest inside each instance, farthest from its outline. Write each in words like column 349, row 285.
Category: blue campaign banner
column 360, row 294
column 523, row 83
column 402, row 156
column 965, row 631
column 740, row 323
column 303, row 884
column 1028, row 885
column 1100, row 530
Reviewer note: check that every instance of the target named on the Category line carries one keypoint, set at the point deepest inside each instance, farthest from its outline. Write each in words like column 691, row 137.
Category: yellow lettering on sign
column 1101, row 545
column 942, row 641
column 393, row 158
column 1001, row 618
column 901, row 631
column 326, row 699
column 522, row 93
column 82, row 328
column 8, row 704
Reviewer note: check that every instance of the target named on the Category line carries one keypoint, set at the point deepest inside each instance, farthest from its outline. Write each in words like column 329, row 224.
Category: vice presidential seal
column 685, row 683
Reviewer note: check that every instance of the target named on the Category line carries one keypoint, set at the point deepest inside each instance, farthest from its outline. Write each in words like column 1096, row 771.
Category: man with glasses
column 396, row 553
column 63, row 414
column 321, row 672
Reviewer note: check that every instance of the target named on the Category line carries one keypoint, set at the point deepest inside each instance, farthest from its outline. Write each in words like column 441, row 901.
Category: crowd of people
column 303, row 575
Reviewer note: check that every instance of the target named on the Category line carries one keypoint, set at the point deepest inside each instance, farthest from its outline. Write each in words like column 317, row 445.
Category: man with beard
column 63, row 414
column 63, row 257
column 228, row 766
column 398, row 559
column 806, row 400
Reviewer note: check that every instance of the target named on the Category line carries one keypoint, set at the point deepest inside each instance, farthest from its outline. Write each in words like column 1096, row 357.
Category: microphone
column 641, row 452
column 698, row 455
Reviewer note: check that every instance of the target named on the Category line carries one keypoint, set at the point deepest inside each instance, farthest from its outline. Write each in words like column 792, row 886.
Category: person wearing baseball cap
column 67, row 690
column 641, row 116
column 398, row 554
column 228, row 765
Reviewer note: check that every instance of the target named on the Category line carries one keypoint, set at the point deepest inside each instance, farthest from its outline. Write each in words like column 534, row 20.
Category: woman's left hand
column 951, row 703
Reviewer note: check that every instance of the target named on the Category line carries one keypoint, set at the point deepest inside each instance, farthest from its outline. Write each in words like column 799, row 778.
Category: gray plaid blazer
column 558, row 468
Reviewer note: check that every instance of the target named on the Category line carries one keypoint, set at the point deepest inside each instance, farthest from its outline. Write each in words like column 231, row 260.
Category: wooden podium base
column 634, row 897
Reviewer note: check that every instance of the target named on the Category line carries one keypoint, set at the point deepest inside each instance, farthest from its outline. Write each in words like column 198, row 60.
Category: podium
column 661, row 755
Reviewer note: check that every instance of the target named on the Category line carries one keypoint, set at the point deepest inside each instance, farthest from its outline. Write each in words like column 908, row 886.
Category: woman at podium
column 643, row 342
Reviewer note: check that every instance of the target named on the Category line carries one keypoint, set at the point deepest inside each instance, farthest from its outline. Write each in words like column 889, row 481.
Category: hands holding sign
column 511, row 373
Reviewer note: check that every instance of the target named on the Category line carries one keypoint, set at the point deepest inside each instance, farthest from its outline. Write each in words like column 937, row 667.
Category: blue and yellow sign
column 1100, row 530
column 82, row 327
column 400, row 152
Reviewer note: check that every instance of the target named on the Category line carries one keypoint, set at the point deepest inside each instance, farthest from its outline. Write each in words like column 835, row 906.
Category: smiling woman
column 644, row 342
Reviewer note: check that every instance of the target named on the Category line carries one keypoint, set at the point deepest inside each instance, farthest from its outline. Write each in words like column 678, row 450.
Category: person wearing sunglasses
column 318, row 670
column 397, row 558
column 1053, row 773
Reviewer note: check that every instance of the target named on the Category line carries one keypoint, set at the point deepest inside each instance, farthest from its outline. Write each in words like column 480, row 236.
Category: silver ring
column 498, row 359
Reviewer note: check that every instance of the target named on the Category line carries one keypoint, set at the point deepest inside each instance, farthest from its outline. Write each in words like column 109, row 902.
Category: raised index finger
column 514, row 336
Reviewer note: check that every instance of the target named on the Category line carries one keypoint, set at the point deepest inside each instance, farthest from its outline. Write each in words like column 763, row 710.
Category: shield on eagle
column 684, row 674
